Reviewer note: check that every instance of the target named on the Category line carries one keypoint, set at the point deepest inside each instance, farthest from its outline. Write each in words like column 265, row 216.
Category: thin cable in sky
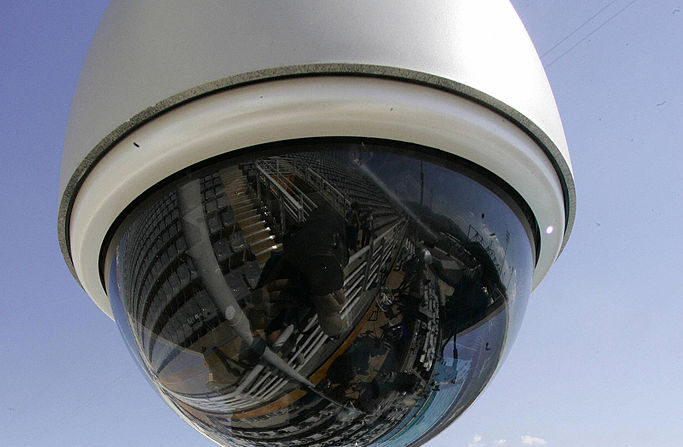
column 578, row 28
column 591, row 33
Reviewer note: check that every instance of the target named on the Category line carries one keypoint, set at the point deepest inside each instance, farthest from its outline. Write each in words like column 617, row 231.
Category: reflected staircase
column 249, row 215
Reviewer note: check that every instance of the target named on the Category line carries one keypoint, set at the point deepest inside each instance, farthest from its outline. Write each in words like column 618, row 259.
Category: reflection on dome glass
column 329, row 292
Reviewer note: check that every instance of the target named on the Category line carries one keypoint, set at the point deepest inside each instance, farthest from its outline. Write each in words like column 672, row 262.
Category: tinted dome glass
column 323, row 292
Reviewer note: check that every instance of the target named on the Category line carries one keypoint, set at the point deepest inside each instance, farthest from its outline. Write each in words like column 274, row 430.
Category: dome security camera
column 315, row 223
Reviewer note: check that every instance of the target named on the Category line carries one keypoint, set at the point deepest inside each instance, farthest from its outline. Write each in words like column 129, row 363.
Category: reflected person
column 306, row 277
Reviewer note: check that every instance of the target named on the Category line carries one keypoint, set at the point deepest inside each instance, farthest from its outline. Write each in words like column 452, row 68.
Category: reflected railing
column 340, row 200
column 274, row 176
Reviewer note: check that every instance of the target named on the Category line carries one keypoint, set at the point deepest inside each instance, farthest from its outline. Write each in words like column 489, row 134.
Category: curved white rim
column 302, row 108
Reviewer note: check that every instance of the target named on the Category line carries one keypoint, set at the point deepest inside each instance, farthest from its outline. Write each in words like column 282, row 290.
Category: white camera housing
column 169, row 84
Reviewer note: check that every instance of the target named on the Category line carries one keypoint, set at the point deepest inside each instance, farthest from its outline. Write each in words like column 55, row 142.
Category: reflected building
column 330, row 309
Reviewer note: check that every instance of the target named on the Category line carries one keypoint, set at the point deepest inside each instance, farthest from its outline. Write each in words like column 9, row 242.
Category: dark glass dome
column 323, row 292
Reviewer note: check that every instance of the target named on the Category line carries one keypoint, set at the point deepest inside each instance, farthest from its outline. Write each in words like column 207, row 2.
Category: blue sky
column 599, row 357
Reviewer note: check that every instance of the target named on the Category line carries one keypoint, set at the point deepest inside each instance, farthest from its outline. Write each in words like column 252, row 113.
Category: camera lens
column 328, row 291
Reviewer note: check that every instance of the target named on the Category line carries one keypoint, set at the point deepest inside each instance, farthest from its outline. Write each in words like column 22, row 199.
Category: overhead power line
column 564, row 39
column 612, row 17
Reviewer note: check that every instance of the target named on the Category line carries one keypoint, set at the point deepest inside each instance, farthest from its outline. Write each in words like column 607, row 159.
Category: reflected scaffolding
column 324, row 292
